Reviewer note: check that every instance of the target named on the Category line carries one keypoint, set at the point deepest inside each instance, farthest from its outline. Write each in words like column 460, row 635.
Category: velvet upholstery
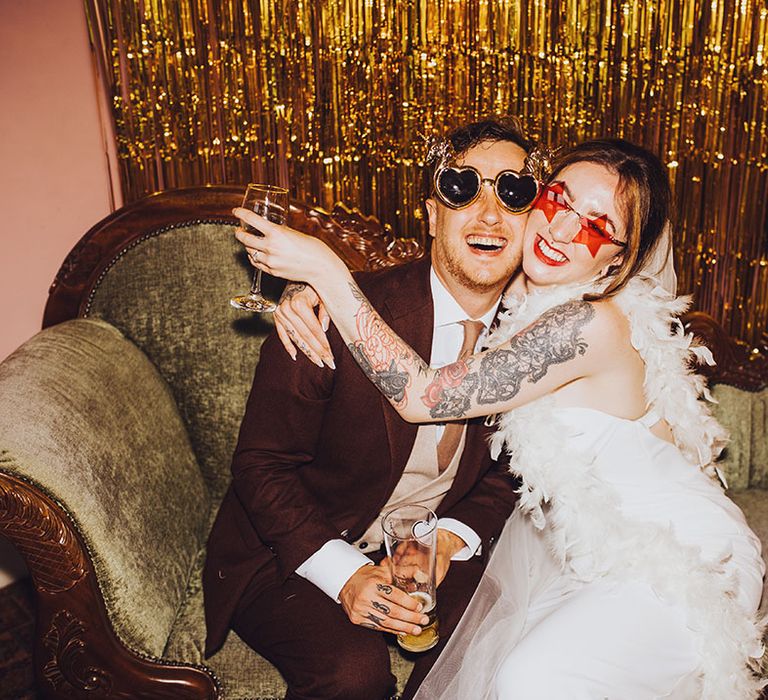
column 87, row 416
column 745, row 414
column 170, row 295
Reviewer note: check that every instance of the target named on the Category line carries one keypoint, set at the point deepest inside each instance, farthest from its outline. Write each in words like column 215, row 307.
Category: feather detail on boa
column 579, row 513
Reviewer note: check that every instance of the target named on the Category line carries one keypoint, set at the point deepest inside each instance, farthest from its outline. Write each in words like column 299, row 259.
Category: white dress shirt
column 331, row 566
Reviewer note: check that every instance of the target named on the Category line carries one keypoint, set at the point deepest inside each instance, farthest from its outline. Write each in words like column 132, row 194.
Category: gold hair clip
column 539, row 161
column 439, row 150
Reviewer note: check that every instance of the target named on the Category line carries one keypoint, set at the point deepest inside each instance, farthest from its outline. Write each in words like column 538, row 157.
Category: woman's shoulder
column 562, row 313
column 598, row 317
column 609, row 311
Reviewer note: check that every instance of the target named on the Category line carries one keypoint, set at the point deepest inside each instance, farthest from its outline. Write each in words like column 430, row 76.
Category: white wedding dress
column 625, row 571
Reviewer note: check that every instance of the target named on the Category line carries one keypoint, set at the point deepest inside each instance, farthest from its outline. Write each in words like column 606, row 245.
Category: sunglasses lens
column 457, row 188
column 517, row 192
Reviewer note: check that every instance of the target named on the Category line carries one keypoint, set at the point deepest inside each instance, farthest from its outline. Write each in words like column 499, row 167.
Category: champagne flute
column 271, row 202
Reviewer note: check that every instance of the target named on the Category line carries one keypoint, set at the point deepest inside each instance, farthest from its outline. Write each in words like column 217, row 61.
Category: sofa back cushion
column 745, row 415
column 169, row 294
column 88, row 418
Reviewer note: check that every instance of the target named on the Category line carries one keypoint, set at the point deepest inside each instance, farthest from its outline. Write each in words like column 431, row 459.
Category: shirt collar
column 448, row 310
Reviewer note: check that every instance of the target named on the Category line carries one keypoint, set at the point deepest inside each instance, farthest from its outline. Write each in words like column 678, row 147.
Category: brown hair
column 461, row 139
column 643, row 195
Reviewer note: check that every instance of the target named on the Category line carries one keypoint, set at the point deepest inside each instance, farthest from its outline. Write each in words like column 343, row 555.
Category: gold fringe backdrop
column 331, row 97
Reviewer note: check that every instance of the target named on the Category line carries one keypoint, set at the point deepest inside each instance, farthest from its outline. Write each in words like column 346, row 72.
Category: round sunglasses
column 459, row 187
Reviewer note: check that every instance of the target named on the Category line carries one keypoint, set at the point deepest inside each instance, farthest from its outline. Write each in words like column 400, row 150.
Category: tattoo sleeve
column 494, row 377
column 554, row 338
column 383, row 357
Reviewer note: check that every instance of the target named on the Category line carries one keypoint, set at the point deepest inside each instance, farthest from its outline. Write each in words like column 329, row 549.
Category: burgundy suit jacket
column 319, row 453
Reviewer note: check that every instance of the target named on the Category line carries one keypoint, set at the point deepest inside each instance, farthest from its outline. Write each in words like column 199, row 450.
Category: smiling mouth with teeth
column 486, row 244
column 547, row 253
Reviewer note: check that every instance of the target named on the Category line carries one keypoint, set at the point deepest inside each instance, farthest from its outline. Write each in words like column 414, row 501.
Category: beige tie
column 452, row 433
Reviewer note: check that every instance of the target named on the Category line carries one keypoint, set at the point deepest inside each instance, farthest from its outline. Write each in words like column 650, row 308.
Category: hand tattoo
column 375, row 619
column 380, row 607
column 384, row 588
column 302, row 345
column 552, row 339
column 291, row 290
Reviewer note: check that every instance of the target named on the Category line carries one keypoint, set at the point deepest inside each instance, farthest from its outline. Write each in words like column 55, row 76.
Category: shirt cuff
column 331, row 566
column 470, row 537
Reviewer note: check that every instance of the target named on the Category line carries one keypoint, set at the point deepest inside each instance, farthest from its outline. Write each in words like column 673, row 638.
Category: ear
column 431, row 206
column 612, row 266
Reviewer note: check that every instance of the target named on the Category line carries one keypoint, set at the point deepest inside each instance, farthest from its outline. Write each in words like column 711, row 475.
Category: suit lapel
column 411, row 315
column 475, row 456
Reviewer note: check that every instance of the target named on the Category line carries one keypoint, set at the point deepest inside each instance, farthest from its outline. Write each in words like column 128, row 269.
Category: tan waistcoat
column 421, row 482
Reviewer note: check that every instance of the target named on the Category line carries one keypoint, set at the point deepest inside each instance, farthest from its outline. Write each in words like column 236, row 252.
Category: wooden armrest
column 76, row 648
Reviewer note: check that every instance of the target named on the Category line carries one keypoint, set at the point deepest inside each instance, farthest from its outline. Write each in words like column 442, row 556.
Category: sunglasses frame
column 564, row 206
column 482, row 180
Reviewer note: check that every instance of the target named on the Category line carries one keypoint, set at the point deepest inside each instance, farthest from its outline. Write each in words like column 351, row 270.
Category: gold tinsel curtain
column 331, row 96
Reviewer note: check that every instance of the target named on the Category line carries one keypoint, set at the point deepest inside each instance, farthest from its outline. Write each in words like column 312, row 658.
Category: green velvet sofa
column 118, row 421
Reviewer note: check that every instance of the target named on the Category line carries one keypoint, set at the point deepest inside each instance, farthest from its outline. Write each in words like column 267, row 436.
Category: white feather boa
column 579, row 513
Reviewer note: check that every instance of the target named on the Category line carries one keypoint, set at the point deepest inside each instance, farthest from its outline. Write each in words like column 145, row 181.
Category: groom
column 293, row 562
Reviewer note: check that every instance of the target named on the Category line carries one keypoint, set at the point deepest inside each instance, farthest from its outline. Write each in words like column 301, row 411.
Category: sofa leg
column 77, row 653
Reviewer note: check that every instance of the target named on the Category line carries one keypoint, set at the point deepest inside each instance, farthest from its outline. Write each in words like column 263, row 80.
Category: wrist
column 449, row 542
column 351, row 580
column 331, row 275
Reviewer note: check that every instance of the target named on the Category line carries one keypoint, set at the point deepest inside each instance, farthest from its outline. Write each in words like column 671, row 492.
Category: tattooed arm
column 567, row 343
column 551, row 352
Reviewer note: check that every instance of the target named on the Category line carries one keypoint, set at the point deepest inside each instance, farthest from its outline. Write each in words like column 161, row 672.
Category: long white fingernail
column 326, row 323
column 329, row 361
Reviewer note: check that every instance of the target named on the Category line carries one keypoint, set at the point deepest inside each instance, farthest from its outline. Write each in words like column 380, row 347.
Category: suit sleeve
column 278, row 435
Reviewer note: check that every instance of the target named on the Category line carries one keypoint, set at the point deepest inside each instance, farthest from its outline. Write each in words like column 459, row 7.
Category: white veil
column 520, row 570
column 660, row 265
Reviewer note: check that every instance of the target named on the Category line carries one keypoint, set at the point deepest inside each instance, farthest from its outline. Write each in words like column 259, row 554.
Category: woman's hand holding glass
column 271, row 203
column 284, row 252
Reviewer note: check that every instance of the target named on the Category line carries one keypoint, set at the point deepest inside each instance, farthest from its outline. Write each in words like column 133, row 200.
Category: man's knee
column 357, row 672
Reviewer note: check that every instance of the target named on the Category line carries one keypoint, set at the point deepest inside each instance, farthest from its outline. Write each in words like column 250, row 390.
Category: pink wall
column 54, row 181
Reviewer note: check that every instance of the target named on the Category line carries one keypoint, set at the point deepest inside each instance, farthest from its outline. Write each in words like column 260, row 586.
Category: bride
column 625, row 571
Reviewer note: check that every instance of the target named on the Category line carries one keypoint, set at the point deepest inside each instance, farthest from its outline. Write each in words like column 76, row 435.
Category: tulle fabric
column 521, row 569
